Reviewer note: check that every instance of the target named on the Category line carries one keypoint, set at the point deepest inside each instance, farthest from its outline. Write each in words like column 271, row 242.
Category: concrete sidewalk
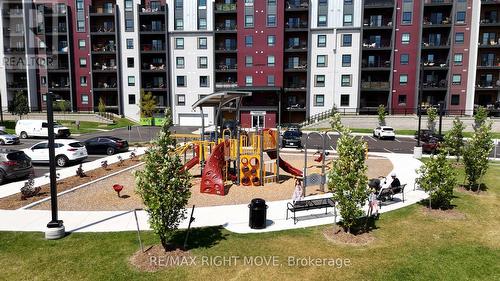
column 232, row 217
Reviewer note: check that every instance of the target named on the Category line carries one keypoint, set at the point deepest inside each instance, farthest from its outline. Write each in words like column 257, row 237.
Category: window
column 405, row 38
column 319, row 80
column 319, row 100
column 131, row 80
column 407, row 17
column 130, row 43
column 321, row 61
column 270, row 61
column 181, row 81
column 271, row 20
column 456, row 79
column 321, row 41
column 459, row 37
column 402, row 100
column 404, row 59
column 85, row 99
column 128, row 5
column 80, row 16
column 271, row 40
column 202, row 62
column 83, row 62
column 455, row 100
column 202, row 43
column 322, row 20
column 131, row 99
column 249, row 40
column 270, row 80
column 249, row 80
column 460, row 17
column 129, row 25
column 457, row 59
column 179, row 62
column 347, row 2
column 179, row 43
column 248, row 61
column 130, row 62
column 347, row 19
column 82, row 44
column 83, row 80
column 403, row 79
column 248, row 21
column 344, row 100
column 346, row 60
column 346, row 80
column 43, row 80
column 202, row 24
column 181, row 100
column 346, row 40
column 203, row 81
column 179, row 24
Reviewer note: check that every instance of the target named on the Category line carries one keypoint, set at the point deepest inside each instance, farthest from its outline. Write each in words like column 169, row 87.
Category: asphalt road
column 146, row 133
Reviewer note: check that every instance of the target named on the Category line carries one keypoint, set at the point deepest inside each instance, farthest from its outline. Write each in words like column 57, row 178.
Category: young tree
column 480, row 117
column 438, row 177
column 148, row 104
column 101, row 106
column 454, row 139
column 476, row 153
column 431, row 118
column 20, row 104
column 381, row 115
column 347, row 178
column 164, row 189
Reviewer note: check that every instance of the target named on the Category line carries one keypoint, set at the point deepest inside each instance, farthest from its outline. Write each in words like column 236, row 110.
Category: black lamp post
column 55, row 228
column 441, row 109
column 419, row 101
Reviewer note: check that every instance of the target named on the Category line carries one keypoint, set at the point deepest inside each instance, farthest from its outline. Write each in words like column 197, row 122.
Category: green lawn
column 409, row 245
column 92, row 127
column 10, row 126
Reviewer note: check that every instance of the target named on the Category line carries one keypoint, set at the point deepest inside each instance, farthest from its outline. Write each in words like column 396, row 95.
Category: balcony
column 17, row 85
column 435, row 65
column 435, row 45
column 61, row 85
column 155, row 86
column 104, row 48
column 221, row 8
column 14, row 50
column 149, row 29
column 152, row 48
column 296, row 67
column 372, row 4
column 296, row 26
column 427, row 23
column 13, row 11
column 377, row 65
column 226, row 67
column 295, row 87
column 108, row 66
column 105, row 85
column 492, row 43
column 153, row 67
column 226, row 85
column 384, row 45
column 488, row 85
column 300, row 47
column 435, row 84
column 297, row 5
column 102, row 11
column 103, row 30
column 438, row 2
column 148, row 10
column 366, row 85
column 225, row 28
column 7, row 31
column 226, row 48
column 383, row 24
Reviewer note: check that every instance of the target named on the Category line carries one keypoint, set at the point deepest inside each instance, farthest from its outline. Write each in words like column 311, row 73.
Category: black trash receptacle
column 258, row 213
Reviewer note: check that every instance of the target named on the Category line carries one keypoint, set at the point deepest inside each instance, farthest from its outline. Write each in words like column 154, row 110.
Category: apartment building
column 297, row 57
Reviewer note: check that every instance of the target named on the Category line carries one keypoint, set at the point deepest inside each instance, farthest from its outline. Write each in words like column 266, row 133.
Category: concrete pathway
column 232, row 217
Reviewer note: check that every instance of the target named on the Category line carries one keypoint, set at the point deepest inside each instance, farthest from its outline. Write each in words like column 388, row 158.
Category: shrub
column 480, row 117
column 454, row 139
column 29, row 189
column 431, row 118
column 437, row 177
column 381, row 115
column 476, row 153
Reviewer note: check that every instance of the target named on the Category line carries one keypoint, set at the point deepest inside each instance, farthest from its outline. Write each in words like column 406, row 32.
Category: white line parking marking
column 388, row 150
column 372, row 138
column 397, row 140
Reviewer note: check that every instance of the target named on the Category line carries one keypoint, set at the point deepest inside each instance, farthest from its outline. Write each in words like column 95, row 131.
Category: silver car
column 6, row 138
column 14, row 164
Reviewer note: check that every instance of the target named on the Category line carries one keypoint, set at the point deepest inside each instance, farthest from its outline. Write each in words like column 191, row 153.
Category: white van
column 39, row 128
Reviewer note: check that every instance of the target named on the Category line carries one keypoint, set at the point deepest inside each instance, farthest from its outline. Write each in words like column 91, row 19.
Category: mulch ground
column 14, row 201
column 339, row 236
column 156, row 258
column 450, row 214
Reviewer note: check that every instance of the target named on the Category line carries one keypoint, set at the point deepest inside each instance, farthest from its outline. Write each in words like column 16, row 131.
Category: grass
column 409, row 245
column 92, row 127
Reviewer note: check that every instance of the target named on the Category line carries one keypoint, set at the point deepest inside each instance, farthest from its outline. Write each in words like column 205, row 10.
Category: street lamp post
column 441, row 106
column 417, row 151
column 55, row 228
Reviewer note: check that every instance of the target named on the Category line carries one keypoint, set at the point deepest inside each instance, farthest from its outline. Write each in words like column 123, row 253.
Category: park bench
column 305, row 205
column 388, row 192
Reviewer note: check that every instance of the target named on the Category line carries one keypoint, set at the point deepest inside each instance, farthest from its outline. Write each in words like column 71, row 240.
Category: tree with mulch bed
column 438, row 178
column 163, row 187
column 476, row 153
column 347, row 178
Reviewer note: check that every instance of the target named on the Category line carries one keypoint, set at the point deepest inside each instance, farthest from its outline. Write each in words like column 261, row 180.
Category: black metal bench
column 389, row 192
column 305, row 205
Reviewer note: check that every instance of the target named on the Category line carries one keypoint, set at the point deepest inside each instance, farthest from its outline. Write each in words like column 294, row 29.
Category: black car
column 295, row 127
column 14, row 164
column 291, row 139
column 107, row 145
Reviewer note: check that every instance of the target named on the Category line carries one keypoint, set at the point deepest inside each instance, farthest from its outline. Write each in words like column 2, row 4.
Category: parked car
column 426, row 135
column 384, row 132
column 14, row 164
column 67, row 151
column 39, row 128
column 291, row 139
column 295, row 127
column 6, row 138
column 431, row 146
column 107, row 145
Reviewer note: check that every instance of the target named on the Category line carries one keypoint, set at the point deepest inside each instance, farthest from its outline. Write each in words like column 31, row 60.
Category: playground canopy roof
column 219, row 99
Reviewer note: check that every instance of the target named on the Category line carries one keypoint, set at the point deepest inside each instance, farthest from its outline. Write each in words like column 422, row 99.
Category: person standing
column 298, row 193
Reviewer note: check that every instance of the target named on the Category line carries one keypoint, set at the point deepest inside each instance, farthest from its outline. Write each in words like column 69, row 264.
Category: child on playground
column 298, row 193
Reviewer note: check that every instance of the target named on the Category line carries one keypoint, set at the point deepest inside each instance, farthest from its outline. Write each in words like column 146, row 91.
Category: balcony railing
column 105, row 84
column 152, row 85
column 374, row 85
column 16, row 11
column 438, row 2
column 150, row 28
column 219, row 7
column 388, row 3
column 488, row 84
column 17, row 85
column 292, row 25
column 102, row 10
column 226, row 67
column 383, row 23
column 14, row 50
column 56, row 85
column 106, row 47
column 296, row 86
column 225, row 27
column 297, row 4
column 374, row 45
column 102, row 28
column 300, row 46
column 435, row 64
column 491, row 42
column 109, row 66
column 149, row 9
column 377, row 64
column 298, row 66
column 152, row 48
column 232, row 47
column 153, row 67
column 226, row 85
column 435, row 83
column 489, row 63
column 435, row 44
column 446, row 20
column 489, row 20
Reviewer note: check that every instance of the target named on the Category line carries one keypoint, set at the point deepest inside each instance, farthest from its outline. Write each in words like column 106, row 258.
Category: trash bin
column 258, row 213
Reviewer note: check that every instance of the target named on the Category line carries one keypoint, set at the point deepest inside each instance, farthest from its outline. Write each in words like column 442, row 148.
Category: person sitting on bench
column 395, row 184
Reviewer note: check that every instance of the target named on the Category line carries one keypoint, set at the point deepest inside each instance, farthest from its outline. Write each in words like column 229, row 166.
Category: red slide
column 285, row 165
column 194, row 161
column 211, row 178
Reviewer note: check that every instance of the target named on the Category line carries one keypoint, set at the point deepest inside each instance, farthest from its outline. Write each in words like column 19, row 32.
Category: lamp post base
column 53, row 233
column 417, row 152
